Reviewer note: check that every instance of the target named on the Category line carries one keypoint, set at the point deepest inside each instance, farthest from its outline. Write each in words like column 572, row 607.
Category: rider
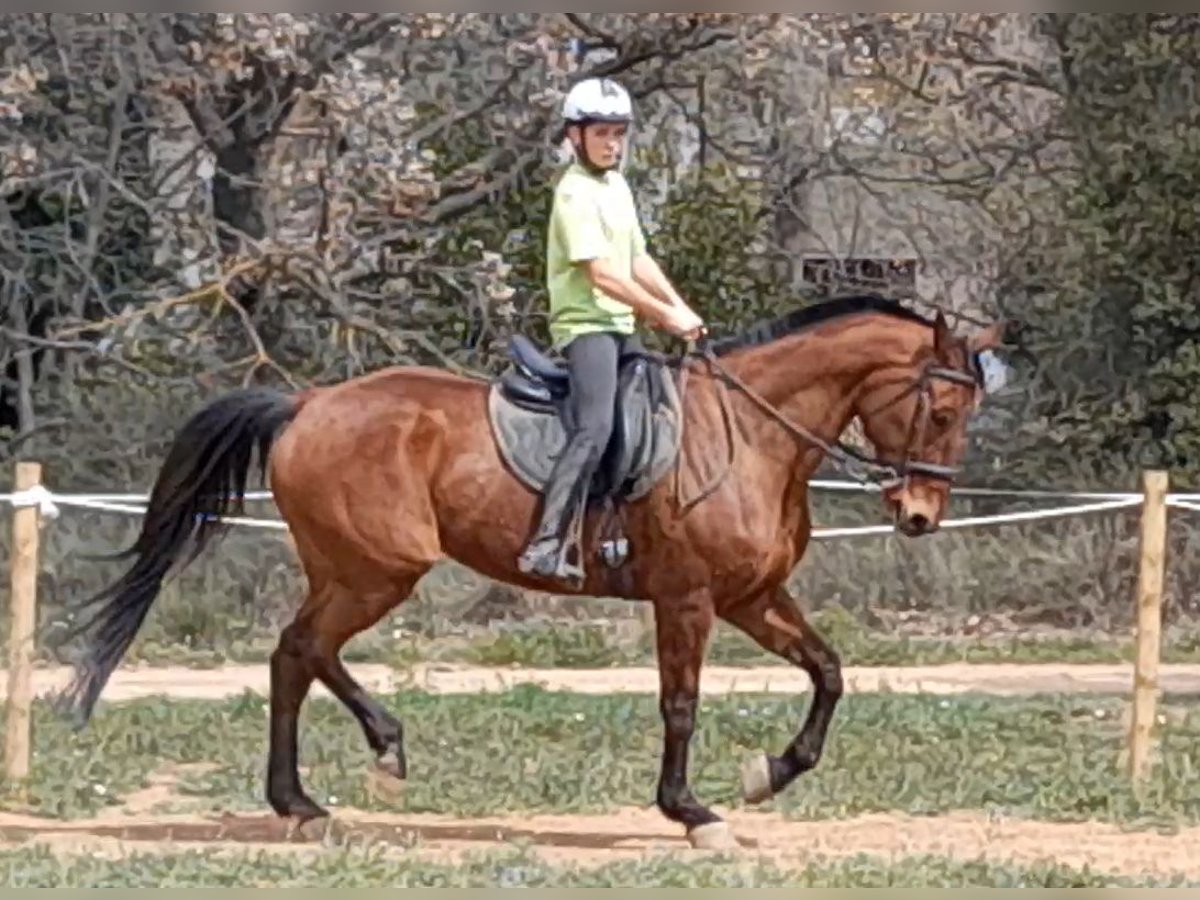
column 600, row 278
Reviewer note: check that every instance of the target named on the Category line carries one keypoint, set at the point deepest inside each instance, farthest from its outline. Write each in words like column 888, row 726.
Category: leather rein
column 858, row 466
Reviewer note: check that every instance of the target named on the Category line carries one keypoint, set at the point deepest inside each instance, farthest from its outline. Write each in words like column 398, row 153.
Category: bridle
column 858, row 466
column 923, row 385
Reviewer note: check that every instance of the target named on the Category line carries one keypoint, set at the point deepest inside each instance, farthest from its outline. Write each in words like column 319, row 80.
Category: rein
column 858, row 466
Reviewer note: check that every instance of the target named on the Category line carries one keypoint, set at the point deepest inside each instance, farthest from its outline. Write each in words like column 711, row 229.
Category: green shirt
column 593, row 216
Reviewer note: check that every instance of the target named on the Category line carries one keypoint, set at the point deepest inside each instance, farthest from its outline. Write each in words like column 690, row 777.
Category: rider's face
column 602, row 142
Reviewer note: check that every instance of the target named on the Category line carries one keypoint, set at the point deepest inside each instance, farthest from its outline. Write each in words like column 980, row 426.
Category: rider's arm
column 588, row 248
column 650, row 275
column 603, row 276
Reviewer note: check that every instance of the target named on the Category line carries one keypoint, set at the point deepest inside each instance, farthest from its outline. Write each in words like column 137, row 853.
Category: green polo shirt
column 593, row 216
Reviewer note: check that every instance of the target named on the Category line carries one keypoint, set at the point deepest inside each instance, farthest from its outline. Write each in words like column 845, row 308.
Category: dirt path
column 953, row 678
column 628, row 833
column 159, row 819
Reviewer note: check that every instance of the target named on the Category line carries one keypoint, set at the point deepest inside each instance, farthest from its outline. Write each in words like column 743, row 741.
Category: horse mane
column 806, row 317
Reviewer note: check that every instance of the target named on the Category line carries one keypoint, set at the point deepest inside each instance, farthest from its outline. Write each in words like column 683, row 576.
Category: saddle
column 529, row 415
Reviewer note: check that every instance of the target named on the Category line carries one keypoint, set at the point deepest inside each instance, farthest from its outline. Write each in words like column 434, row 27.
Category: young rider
column 600, row 279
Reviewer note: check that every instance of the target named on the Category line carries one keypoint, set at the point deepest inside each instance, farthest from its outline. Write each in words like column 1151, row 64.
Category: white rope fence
column 1060, row 512
column 33, row 503
column 49, row 503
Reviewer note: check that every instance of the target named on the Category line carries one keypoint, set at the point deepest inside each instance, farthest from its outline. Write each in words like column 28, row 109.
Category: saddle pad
column 530, row 441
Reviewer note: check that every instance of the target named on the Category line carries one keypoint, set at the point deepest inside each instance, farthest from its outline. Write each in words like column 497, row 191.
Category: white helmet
column 597, row 100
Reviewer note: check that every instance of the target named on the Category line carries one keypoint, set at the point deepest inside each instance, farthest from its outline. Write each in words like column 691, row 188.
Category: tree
column 1111, row 292
column 198, row 200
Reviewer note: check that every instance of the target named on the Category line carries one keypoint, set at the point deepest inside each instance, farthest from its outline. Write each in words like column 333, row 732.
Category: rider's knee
column 597, row 426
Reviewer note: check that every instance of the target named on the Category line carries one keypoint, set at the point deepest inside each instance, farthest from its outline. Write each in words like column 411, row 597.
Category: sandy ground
column 594, row 840
column 953, row 678
column 158, row 819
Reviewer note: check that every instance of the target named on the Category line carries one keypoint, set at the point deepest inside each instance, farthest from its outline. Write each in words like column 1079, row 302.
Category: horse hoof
column 310, row 828
column 713, row 836
column 391, row 762
column 756, row 779
column 386, row 776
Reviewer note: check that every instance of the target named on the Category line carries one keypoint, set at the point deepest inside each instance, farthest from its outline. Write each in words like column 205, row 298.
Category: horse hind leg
column 384, row 732
column 308, row 648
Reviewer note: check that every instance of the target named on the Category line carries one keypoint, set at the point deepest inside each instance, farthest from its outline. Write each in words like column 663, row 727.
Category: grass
column 531, row 750
column 569, row 644
column 37, row 867
column 588, row 646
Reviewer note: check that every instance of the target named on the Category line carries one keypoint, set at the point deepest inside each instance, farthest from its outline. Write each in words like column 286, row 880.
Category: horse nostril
column 918, row 523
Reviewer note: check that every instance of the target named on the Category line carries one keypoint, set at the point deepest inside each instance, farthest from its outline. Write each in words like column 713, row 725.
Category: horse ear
column 943, row 338
column 990, row 338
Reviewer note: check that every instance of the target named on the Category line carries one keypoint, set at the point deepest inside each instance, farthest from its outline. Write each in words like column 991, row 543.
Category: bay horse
column 381, row 476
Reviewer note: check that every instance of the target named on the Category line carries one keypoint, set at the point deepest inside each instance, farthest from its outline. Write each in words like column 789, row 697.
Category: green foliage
column 1113, row 298
column 498, row 244
column 563, row 646
column 705, row 235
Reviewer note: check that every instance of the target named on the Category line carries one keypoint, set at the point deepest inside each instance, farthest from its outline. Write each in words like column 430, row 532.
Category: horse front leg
column 682, row 628
column 773, row 620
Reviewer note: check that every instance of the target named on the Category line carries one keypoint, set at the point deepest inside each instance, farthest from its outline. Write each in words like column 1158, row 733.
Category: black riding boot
column 565, row 495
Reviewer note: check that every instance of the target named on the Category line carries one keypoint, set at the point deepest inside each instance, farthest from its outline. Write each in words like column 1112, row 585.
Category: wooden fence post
column 1149, row 624
column 22, row 619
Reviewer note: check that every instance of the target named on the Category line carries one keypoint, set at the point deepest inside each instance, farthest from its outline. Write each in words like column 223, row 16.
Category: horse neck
column 814, row 379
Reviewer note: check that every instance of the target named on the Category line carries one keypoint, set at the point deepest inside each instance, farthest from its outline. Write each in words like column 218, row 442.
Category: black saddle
column 530, row 418
column 535, row 380
column 534, row 363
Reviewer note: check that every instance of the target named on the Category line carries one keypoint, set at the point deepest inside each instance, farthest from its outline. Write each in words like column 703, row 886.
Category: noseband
column 862, row 468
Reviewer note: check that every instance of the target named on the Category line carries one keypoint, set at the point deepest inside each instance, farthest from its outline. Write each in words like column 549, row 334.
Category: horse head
column 916, row 413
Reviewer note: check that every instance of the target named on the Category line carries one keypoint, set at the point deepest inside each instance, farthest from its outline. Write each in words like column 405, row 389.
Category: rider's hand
column 698, row 329
column 684, row 323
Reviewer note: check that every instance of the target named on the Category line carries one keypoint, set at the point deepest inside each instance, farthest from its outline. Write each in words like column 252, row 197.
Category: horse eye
column 942, row 418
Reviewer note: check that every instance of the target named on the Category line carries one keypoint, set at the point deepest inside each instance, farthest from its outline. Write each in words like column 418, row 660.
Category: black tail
column 204, row 477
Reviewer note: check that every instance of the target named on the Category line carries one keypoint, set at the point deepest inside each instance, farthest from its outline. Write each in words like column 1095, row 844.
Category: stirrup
column 551, row 563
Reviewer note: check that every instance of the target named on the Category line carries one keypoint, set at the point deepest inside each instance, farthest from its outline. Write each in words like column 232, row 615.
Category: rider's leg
column 592, row 361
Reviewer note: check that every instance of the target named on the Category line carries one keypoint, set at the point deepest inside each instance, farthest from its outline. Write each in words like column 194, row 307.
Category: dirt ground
column 952, row 678
column 157, row 819
column 592, row 840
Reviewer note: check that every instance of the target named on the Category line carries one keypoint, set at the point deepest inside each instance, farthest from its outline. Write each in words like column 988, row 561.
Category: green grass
column 568, row 644
column 532, row 750
column 37, row 867
column 592, row 646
